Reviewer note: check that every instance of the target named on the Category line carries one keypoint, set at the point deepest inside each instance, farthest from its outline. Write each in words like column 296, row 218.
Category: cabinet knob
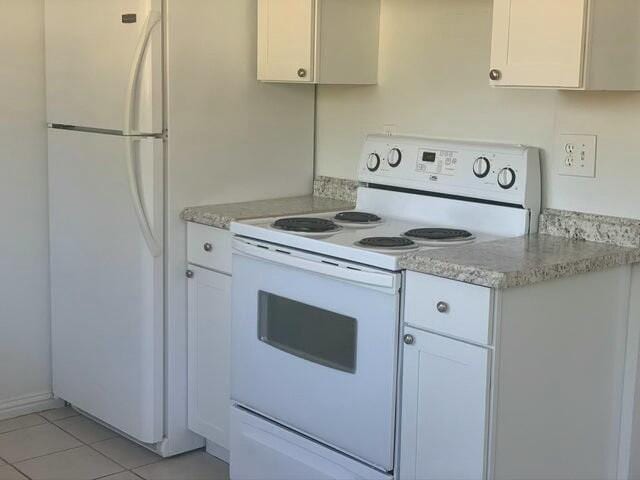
column 302, row 72
column 443, row 307
column 409, row 339
column 189, row 274
column 207, row 247
column 495, row 74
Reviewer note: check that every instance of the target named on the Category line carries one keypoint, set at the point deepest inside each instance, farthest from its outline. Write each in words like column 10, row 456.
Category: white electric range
column 316, row 302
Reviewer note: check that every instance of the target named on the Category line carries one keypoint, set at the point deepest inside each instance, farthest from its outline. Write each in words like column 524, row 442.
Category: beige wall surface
column 25, row 375
column 434, row 64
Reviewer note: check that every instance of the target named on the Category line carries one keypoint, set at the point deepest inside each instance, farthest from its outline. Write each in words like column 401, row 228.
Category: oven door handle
column 373, row 279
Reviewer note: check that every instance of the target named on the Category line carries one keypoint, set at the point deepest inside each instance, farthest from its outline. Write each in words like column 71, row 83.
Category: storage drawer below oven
column 263, row 450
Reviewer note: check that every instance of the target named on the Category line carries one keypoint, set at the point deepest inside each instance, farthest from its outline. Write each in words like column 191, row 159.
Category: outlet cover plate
column 576, row 155
column 390, row 129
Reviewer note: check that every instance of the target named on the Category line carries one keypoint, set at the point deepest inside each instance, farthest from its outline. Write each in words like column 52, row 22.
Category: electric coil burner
column 388, row 244
column 307, row 226
column 358, row 218
column 439, row 236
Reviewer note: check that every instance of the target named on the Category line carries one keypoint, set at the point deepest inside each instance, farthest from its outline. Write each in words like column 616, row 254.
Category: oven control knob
column 394, row 158
column 507, row 178
column 373, row 162
column 481, row 167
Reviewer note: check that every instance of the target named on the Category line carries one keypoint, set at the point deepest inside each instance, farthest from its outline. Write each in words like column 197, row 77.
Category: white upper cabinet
column 566, row 44
column 318, row 41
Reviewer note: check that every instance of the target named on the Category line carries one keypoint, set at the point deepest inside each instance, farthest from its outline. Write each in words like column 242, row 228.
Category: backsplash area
column 335, row 188
column 434, row 63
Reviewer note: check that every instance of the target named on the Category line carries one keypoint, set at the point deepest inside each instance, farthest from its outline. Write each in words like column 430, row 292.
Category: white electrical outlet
column 390, row 129
column 576, row 155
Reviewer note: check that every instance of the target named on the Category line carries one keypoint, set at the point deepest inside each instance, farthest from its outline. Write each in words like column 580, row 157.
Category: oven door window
column 308, row 332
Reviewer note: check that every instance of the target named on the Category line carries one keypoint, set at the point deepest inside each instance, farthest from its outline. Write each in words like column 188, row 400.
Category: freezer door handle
column 151, row 22
column 134, row 186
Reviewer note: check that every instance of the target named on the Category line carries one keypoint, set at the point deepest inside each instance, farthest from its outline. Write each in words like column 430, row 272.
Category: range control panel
column 487, row 171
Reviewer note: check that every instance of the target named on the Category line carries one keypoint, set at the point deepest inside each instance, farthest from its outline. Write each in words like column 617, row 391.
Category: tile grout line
column 21, row 472
column 15, row 465
column 46, row 455
column 108, row 457
column 23, row 428
column 98, row 451
column 82, row 445
column 106, row 439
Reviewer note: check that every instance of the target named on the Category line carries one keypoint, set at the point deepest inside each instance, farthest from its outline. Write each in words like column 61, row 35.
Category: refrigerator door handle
column 134, row 186
column 153, row 19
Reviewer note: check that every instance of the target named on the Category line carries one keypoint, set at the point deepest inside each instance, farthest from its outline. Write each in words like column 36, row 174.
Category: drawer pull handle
column 208, row 247
column 443, row 307
column 190, row 274
column 409, row 339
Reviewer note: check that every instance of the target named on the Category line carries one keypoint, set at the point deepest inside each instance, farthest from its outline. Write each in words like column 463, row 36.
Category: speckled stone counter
column 221, row 216
column 519, row 261
column 569, row 243
column 329, row 195
column 587, row 226
column 337, row 188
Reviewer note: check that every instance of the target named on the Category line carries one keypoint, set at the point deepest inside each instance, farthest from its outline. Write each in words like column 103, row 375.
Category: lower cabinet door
column 444, row 409
column 209, row 345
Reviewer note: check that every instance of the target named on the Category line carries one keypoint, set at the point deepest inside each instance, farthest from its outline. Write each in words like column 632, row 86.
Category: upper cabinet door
column 92, row 47
column 286, row 40
column 539, row 43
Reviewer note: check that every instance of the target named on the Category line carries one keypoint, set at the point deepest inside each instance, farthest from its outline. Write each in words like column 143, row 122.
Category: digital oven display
column 429, row 157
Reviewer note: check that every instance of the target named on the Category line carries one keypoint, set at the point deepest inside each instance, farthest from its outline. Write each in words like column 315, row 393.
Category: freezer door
column 107, row 286
column 104, row 64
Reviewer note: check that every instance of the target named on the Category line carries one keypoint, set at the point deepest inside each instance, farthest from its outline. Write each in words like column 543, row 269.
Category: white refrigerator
column 118, row 177
column 106, row 181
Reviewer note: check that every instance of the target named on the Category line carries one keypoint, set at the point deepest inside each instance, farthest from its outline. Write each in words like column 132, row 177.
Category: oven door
column 314, row 347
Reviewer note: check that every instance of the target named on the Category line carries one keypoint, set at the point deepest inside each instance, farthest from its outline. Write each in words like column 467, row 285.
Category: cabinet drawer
column 449, row 307
column 209, row 247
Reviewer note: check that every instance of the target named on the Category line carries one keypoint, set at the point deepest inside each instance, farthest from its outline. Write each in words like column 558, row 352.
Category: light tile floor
column 62, row 445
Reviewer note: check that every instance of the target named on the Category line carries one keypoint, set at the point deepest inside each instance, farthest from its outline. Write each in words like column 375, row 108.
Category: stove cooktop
column 379, row 245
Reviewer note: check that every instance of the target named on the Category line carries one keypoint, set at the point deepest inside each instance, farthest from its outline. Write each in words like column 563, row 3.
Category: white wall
column 231, row 138
column 434, row 65
column 25, row 377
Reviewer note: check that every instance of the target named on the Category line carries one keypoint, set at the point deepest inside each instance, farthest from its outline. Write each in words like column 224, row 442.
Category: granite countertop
column 515, row 262
column 221, row 216
column 569, row 243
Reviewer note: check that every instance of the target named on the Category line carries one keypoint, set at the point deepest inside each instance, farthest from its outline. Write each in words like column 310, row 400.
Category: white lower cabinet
column 209, row 345
column 444, row 408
